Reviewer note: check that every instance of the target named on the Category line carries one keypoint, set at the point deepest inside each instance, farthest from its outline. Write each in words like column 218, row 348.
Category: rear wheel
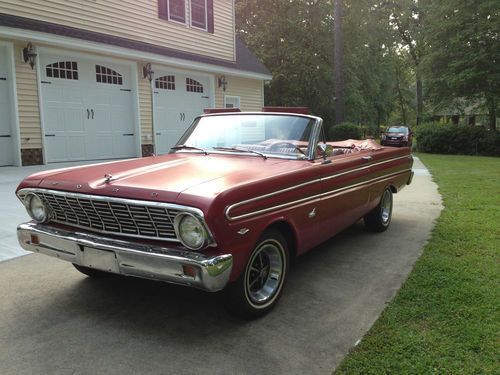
column 259, row 287
column 91, row 271
column 379, row 219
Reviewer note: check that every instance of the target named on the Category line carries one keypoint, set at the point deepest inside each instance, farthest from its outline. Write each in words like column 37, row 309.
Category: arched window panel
column 62, row 69
column 193, row 85
column 165, row 83
column 107, row 75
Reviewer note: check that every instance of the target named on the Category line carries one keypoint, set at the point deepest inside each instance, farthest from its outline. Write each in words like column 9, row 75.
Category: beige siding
column 133, row 19
column 27, row 98
column 249, row 91
column 145, row 108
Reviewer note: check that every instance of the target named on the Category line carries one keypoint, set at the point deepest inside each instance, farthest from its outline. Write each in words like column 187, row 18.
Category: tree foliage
column 395, row 53
column 464, row 60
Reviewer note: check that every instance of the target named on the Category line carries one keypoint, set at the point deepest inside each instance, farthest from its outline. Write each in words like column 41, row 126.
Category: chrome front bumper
column 127, row 258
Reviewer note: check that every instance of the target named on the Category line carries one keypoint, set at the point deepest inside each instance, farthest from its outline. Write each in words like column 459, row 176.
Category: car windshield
column 258, row 134
column 397, row 129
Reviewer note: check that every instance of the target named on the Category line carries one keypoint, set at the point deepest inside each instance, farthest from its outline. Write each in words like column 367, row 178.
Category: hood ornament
column 108, row 178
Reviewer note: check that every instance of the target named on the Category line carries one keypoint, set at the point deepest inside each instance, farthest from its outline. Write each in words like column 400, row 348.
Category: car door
column 345, row 189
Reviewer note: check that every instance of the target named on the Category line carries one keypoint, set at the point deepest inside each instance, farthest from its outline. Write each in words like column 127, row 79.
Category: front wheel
column 379, row 219
column 259, row 287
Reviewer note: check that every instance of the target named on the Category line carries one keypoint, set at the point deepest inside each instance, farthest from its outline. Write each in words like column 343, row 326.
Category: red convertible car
column 230, row 205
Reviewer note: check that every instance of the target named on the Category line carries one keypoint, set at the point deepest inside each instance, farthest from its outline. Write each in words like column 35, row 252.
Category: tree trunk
column 338, row 70
column 420, row 100
column 492, row 113
column 400, row 95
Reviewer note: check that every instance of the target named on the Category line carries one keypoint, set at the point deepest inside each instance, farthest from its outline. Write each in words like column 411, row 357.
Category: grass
column 445, row 319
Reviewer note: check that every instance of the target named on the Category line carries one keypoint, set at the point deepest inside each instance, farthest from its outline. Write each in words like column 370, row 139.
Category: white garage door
column 6, row 149
column 179, row 98
column 87, row 108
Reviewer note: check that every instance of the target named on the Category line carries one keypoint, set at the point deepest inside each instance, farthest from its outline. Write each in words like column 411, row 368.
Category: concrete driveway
column 54, row 320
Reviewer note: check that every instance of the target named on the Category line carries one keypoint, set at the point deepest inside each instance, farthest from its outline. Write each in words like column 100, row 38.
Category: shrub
column 457, row 139
column 344, row 131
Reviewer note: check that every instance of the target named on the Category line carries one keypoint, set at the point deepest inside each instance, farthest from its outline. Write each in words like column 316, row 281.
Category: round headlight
column 190, row 231
column 36, row 208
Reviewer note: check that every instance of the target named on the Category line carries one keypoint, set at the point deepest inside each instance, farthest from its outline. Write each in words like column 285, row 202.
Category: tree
column 294, row 40
column 464, row 53
column 407, row 19
column 338, row 70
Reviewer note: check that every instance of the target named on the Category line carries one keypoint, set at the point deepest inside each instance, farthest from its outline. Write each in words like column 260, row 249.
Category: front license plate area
column 100, row 260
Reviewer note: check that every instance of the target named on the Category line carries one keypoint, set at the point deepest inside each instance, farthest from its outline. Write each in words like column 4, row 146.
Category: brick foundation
column 31, row 156
column 147, row 150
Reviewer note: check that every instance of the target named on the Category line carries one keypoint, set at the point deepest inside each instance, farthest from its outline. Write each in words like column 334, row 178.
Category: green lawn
column 445, row 319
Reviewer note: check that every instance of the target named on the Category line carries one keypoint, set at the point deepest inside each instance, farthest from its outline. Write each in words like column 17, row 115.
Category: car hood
column 161, row 178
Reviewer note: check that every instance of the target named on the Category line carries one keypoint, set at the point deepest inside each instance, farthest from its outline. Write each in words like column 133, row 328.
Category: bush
column 457, row 139
column 345, row 131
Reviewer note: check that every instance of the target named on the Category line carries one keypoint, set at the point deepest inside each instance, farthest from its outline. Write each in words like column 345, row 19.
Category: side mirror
column 326, row 150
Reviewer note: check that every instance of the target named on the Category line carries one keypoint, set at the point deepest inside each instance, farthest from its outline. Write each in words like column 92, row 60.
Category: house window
column 107, row 75
column 165, row 83
column 199, row 14
column 231, row 101
column 193, row 86
column 177, row 10
column 62, row 69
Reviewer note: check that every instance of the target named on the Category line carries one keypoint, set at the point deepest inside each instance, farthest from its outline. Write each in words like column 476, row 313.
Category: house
column 105, row 79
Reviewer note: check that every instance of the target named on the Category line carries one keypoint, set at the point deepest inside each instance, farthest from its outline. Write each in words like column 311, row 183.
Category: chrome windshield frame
column 313, row 138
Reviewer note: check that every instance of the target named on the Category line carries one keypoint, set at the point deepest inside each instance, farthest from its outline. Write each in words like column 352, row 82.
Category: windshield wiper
column 180, row 147
column 240, row 150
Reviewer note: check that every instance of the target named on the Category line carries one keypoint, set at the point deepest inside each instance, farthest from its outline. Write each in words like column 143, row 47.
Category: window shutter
column 210, row 16
column 163, row 9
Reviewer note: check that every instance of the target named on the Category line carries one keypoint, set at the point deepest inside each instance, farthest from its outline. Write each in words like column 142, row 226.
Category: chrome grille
column 112, row 215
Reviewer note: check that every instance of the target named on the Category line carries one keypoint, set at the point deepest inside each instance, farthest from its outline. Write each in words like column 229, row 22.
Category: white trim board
column 14, row 107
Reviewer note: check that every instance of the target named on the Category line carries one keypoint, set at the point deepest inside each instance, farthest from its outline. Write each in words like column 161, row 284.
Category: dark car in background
column 398, row 136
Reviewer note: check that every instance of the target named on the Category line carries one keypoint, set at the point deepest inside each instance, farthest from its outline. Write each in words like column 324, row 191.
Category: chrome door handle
column 367, row 158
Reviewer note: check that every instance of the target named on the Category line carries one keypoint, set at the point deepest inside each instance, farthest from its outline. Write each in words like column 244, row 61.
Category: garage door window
column 165, row 83
column 107, row 75
column 62, row 69
column 193, row 85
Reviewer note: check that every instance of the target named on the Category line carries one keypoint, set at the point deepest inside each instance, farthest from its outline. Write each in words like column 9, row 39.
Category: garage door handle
column 158, row 133
column 92, row 111
column 50, row 135
column 5, row 136
column 3, row 79
column 129, row 134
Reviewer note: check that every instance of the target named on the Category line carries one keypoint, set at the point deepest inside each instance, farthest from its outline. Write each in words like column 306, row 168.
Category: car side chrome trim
column 298, row 186
column 326, row 195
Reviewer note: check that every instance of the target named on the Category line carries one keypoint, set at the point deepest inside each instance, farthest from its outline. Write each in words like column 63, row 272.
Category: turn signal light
column 35, row 240
column 189, row 271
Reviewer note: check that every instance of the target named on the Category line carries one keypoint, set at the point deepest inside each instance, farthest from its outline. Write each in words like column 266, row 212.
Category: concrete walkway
column 54, row 320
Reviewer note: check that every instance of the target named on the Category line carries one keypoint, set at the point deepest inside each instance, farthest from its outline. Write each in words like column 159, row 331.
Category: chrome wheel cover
column 265, row 273
column 386, row 207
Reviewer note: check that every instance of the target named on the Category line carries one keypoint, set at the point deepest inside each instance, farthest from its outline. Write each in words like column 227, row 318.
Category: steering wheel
column 278, row 145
